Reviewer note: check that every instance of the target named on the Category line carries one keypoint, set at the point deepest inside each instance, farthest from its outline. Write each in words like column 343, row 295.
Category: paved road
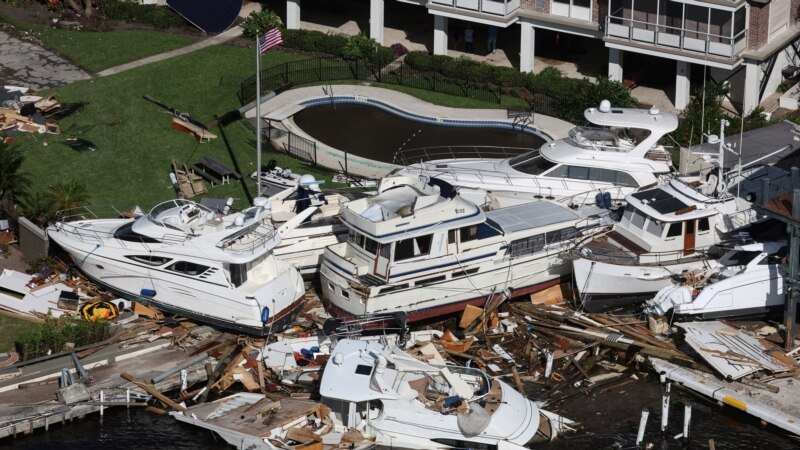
column 26, row 64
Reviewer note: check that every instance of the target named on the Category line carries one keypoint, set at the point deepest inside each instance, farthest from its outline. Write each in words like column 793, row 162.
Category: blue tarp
column 211, row 16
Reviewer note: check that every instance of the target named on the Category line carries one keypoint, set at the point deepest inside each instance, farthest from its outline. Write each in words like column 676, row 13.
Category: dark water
column 376, row 134
column 609, row 421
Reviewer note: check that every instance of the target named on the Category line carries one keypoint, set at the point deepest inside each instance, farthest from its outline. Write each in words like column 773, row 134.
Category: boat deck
column 254, row 419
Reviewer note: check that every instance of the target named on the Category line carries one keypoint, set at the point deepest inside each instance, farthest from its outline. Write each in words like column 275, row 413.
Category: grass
column 96, row 51
column 10, row 328
column 133, row 137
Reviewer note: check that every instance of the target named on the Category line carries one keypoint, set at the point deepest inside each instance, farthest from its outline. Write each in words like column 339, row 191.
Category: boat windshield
column 607, row 139
column 738, row 258
column 532, row 163
column 161, row 208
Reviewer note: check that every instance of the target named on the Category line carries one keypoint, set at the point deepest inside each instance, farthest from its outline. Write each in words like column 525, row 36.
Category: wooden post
column 152, row 391
column 790, row 312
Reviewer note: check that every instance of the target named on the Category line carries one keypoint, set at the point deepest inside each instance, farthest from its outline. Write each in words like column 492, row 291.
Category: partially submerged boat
column 405, row 403
column 187, row 259
column 747, row 281
column 619, row 154
column 418, row 247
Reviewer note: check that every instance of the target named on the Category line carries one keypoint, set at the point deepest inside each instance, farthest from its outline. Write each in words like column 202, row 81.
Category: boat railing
column 91, row 212
column 590, row 196
column 407, row 157
column 740, row 219
column 250, row 239
column 645, row 259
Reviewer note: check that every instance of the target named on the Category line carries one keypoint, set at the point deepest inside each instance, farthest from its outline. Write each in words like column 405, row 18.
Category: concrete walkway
column 26, row 64
column 228, row 35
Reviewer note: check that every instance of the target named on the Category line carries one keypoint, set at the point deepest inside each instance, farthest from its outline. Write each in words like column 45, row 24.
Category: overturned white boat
column 620, row 154
column 417, row 247
column 747, row 281
column 187, row 259
column 405, row 403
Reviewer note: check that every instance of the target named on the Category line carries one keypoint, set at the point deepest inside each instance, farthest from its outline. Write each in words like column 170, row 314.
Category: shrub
column 314, row 41
column 399, row 49
column 158, row 16
column 54, row 333
column 259, row 22
column 360, row 46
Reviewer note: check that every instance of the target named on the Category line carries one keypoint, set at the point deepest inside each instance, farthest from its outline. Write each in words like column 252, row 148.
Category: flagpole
column 258, row 116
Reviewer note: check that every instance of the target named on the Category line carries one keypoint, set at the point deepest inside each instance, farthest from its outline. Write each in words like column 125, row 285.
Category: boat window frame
column 172, row 268
column 147, row 260
column 679, row 226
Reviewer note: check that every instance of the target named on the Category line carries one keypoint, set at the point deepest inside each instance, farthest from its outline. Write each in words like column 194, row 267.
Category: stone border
column 282, row 107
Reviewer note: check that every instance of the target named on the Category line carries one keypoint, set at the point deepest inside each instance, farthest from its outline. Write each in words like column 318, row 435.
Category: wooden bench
column 209, row 167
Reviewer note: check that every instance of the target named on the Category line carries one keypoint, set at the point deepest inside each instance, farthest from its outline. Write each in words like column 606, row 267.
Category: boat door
column 382, row 260
column 688, row 237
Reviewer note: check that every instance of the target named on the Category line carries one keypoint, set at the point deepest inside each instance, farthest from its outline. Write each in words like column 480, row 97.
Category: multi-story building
column 746, row 43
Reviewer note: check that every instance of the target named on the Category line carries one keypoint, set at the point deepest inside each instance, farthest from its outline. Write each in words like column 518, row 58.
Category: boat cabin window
column 638, row 218
column 593, row 174
column 363, row 369
column 187, row 268
column 675, row 229
column 702, row 224
column 370, row 246
column 532, row 163
column 480, row 231
column 451, row 236
column 533, row 244
column 469, row 233
column 655, row 227
column 150, row 260
column 238, row 274
column 411, row 248
column 355, row 238
column 126, row 233
column 12, row 293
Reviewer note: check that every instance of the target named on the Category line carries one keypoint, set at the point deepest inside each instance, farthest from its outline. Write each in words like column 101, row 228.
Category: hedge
column 128, row 11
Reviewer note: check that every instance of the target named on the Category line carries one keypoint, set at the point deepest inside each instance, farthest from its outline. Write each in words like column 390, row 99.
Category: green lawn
column 10, row 327
column 134, row 139
column 96, row 51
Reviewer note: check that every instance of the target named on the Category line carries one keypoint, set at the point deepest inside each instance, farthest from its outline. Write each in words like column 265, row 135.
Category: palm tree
column 14, row 183
column 67, row 194
column 37, row 207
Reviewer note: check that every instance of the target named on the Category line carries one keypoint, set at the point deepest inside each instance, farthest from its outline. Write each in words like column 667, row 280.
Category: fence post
column 499, row 91
column 319, row 66
column 465, row 88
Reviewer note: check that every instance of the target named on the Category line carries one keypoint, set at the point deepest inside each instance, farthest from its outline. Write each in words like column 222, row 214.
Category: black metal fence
column 295, row 145
column 332, row 69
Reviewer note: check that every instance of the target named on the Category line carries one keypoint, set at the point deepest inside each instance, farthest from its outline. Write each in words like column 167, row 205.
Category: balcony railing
column 493, row 7
column 678, row 38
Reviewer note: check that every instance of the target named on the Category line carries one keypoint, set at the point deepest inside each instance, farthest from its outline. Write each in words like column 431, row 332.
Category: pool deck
column 282, row 107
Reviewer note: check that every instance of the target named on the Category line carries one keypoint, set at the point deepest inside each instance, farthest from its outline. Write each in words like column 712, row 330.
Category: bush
column 54, row 333
column 399, row 49
column 158, row 16
column 315, row 41
column 259, row 22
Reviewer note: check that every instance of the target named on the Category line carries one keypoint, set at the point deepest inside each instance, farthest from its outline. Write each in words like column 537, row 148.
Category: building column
column 752, row 84
column 527, row 47
column 615, row 64
column 376, row 20
column 439, row 35
column 682, row 85
column 292, row 14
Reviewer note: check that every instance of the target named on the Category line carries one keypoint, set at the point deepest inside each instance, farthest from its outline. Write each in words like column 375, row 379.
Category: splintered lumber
column 187, row 127
column 471, row 313
column 552, row 295
column 153, row 391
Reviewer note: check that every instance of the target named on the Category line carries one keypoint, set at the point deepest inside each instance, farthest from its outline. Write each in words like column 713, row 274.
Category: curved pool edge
column 285, row 105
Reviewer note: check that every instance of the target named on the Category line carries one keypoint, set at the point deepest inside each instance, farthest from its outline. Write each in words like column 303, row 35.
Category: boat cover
column 211, row 16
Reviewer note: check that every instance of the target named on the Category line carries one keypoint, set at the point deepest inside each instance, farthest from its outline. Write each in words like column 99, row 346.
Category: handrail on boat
column 406, row 157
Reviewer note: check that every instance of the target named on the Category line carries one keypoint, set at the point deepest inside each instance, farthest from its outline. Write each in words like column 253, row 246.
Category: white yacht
column 187, row 259
column 667, row 231
column 277, row 178
column 619, row 154
column 406, row 403
column 747, row 281
column 303, row 245
column 421, row 249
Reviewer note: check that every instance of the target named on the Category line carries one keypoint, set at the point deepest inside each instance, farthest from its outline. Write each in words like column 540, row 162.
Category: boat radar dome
column 605, row 106
column 260, row 201
column 308, row 180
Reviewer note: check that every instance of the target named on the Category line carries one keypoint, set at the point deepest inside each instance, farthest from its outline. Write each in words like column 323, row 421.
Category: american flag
column 272, row 38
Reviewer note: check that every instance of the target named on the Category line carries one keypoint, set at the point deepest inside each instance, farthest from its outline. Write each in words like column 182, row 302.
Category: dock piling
column 687, row 419
column 642, row 426
column 665, row 406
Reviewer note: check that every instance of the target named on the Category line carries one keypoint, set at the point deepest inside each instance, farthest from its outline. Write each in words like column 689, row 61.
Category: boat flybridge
column 747, row 281
column 303, row 245
column 407, row 403
column 188, row 259
column 670, row 230
column 620, row 153
column 418, row 247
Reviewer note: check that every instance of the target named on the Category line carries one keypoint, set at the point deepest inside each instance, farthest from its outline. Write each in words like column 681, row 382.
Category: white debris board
column 730, row 351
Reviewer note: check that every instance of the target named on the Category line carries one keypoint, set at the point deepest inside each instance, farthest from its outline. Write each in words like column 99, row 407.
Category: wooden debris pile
column 26, row 113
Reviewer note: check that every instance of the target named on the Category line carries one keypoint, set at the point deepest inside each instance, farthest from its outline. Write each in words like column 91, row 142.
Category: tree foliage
column 14, row 182
column 259, row 22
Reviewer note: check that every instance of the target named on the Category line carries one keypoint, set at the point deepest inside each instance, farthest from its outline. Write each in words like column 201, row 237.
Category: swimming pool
column 375, row 131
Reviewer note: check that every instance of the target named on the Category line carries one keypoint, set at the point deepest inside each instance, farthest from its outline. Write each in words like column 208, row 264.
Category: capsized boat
column 619, row 154
column 187, row 259
column 420, row 248
column 747, row 281
column 405, row 403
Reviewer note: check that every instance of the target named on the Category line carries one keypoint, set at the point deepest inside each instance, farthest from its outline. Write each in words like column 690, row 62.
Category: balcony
column 668, row 37
column 491, row 7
